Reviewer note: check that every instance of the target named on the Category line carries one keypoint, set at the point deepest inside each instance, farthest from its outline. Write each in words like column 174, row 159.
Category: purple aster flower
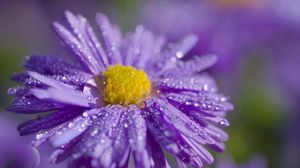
column 121, row 96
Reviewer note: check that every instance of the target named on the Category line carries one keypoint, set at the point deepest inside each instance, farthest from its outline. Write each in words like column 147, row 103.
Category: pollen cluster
column 125, row 85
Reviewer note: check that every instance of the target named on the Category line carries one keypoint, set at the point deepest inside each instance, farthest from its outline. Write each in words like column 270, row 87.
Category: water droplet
column 167, row 133
column 179, row 54
column 188, row 103
column 224, row 123
column 70, row 125
column 89, row 98
column 205, row 87
column 173, row 147
column 85, row 114
column 131, row 141
column 223, row 99
column 94, row 132
column 40, row 134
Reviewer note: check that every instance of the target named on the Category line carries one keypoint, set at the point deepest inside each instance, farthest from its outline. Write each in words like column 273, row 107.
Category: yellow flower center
column 125, row 85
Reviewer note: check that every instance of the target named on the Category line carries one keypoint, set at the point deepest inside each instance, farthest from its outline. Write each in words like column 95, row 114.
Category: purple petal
column 186, row 45
column 217, row 133
column 192, row 66
column 49, row 65
column 49, row 121
column 76, row 79
column 155, row 153
column 168, row 136
column 105, row 140
column 27, row 80
column 204, row 103
column 140, row 47
column 217, row 120
column 97, row 46
column 218, row 146
column 58, row 131
column 137, row 137
column 180, row 163
column 199, row 83
column 168, row 58
column 65, row 151
column 19, row 91
column 201, row 151
column 165, row 134
column 65, row 135
column 49, row 81
column 19, row 77
column 182, row 122
column 65, row 132
column 111, row 37
column 31, row 105
column 33, row 79
column 88, row 39
column 80, row 49
column 63, row 96
column 79, row 162
column 56, row 80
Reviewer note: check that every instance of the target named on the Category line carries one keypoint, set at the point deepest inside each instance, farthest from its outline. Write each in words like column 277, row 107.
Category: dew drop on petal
column 224, row 123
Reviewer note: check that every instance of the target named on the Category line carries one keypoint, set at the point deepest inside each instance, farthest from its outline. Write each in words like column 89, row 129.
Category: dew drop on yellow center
column 125, row 85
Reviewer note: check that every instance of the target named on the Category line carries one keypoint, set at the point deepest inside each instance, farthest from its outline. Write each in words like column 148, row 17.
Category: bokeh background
column 257, row 41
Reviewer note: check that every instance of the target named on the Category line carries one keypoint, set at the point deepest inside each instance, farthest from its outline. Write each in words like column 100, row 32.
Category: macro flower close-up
column 120, row 98
column 149, row 84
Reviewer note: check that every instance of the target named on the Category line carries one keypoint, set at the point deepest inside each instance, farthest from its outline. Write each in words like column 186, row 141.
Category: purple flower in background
column 122, row 95
column 233, row 29
column 254, row 162
column 222, row 31
column 15, row 152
